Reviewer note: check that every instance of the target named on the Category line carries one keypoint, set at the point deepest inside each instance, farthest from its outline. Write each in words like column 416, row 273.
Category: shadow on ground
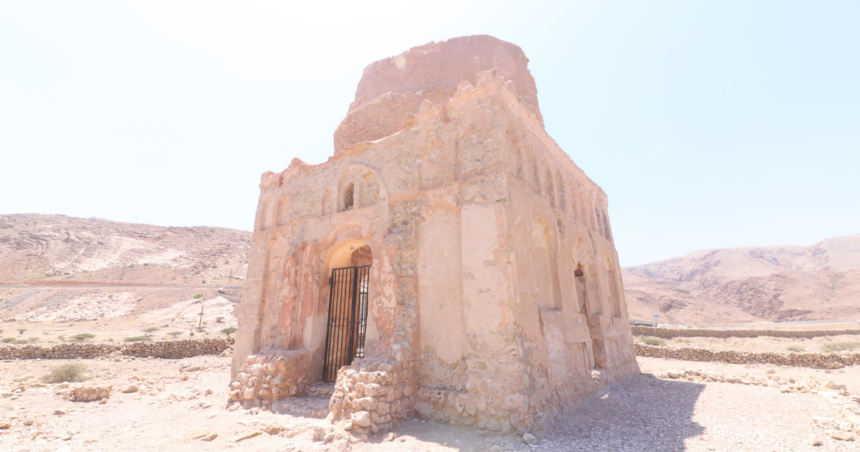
column 643, row 414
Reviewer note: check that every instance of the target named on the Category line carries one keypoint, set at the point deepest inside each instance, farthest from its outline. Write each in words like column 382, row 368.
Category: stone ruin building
column 450, row 261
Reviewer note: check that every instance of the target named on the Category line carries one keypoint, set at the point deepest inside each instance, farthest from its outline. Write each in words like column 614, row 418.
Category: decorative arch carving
column 550, row 188
column 582, row 253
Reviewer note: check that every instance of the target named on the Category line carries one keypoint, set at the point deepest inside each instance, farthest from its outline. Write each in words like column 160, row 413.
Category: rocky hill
column 61, row 275
column 55, row 249
column 750, row 284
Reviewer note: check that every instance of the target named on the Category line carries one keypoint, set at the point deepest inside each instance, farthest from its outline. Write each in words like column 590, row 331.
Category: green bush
column 21, row 330
column 69, row 372
column 9, row 339
column 217, row 320
column 840, row 346
column 229, row 331
column 137, row 338
column 795, row 348
column 150, row 330
column 82, row 337
column 653, row 341
column 198, row 296
column 175, row 333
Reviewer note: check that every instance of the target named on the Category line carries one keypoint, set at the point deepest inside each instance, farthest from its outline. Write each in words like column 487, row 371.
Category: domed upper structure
column 393, row 88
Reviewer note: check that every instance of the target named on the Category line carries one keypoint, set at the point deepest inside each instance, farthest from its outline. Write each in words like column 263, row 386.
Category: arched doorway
column 349, row 298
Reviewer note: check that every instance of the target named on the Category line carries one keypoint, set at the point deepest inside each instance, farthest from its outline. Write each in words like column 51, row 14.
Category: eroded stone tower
column 449, row 261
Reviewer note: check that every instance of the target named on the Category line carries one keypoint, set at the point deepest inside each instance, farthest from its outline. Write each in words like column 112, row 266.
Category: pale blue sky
column 709, row 124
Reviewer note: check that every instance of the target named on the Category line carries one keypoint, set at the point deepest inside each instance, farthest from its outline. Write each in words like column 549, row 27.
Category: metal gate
column 347, row 318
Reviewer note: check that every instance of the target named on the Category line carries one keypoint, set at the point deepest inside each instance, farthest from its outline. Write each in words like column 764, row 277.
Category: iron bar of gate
column 331, row 286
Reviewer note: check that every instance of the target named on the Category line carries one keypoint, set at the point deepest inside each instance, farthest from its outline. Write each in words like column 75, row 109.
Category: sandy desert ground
column 180, row 404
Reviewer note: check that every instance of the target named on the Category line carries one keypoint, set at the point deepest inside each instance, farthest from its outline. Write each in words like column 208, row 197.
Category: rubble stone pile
column 89, row 393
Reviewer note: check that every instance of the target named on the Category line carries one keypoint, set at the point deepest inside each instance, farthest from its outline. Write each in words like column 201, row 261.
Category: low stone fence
column 157, row 349
column 814, row 360
column 667, row 333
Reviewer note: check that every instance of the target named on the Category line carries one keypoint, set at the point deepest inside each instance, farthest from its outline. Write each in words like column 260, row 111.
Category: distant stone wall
column 667, row 333
column 156, row 349
column 814, row 360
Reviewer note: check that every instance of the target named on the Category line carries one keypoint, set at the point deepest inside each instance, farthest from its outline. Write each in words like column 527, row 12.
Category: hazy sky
column 709, row 124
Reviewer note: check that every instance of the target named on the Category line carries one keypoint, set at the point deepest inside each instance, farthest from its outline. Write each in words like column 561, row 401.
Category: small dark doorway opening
column 347, row 318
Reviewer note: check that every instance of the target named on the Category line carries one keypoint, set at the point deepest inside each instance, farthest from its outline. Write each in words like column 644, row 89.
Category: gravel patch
column 649, row 414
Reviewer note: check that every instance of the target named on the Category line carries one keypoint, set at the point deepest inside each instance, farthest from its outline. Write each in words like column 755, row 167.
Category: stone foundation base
column 521, row 413
column 374, row 395
column 269, row 376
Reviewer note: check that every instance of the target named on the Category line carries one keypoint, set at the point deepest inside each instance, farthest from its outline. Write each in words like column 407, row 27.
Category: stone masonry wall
column 373, row 395
column 384, row 115
column 156, row 349
column 666, row 333
column 270, row 376
column 814, row 360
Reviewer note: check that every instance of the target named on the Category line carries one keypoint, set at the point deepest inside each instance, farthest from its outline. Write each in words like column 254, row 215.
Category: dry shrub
column 69, row 372
column 653, row 340
column 840, row 346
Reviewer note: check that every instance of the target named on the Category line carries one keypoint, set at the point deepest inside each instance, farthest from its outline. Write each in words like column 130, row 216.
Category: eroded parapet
column 373, row 394
column 271, row 375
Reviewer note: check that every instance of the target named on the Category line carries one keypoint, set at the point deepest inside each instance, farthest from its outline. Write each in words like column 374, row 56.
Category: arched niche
column 613, row 283
column 359, row 186
column 588, row 297
column 546, row 266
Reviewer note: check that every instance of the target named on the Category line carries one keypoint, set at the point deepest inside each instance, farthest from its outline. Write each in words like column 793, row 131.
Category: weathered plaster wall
column 440, row 282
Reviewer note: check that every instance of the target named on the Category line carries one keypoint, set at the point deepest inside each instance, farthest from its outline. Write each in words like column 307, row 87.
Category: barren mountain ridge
column 751, row 284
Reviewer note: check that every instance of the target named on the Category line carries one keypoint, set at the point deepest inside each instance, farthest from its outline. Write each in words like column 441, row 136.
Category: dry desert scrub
column 653, row 341
column 82, row 337
column 840, row 347
column 66, row 373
